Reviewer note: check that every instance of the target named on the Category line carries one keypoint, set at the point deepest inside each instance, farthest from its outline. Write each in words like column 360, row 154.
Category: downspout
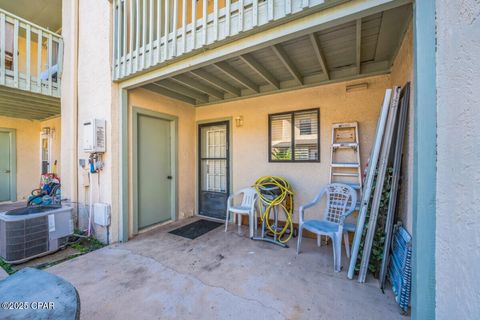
column 77, row 41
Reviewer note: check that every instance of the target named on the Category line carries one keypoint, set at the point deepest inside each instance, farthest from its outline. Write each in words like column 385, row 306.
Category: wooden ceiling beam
column 258, row 68
column 169, row 93
column 287, row 62
column 318, row 52
column 235, row 75
column 217, row 82
column 358, row 53
column 192, row 83
column 186, row 91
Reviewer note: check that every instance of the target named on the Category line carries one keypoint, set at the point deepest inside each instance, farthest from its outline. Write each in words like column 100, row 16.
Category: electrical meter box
column 101, row 214
column 94, row 136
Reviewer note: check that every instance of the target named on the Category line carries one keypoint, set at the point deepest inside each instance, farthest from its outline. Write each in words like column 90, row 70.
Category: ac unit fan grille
column 26, row 238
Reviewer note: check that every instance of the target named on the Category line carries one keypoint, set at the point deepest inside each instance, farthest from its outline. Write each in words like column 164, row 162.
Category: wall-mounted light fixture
column 239, row 121
column 356, row 87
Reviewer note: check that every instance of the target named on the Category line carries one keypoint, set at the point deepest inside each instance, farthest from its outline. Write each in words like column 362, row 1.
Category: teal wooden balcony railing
column 148, row 33
column 30, row 56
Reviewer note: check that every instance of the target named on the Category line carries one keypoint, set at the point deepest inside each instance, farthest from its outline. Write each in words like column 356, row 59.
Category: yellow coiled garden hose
column 283, row 199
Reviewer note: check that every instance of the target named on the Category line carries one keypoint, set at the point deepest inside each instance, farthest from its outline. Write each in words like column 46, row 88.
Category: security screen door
column 45, row 146
column 214, row 169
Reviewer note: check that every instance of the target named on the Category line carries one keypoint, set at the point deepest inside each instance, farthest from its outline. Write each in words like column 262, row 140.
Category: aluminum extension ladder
column 345, row 156
column 345, row 164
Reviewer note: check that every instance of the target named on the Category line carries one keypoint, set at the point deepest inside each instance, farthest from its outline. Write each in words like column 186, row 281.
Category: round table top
column 36, row 294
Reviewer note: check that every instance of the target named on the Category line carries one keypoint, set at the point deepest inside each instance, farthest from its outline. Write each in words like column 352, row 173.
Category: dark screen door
column 214, row 169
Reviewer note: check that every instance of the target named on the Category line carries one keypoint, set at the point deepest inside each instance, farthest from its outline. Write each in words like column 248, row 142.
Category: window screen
column 294, row 136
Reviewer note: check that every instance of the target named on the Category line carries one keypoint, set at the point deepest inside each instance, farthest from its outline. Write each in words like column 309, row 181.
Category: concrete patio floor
column 219, row 275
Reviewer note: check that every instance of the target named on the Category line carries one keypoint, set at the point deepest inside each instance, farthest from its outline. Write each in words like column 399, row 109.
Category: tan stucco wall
column 28, row 153
column 96, row 95
column 28, row 150
column 250, row 142
column 141, row 98
column 402, row 71
column 92, row 80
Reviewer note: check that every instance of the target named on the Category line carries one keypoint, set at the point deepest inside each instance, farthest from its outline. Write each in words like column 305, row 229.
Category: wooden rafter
column 235, row 75
column 320, row 56
column 358, row 53
column 287, row 62
column 216, row 82
column 257, row 67
column 192, row 83
column 186, row 91
column 169, row 93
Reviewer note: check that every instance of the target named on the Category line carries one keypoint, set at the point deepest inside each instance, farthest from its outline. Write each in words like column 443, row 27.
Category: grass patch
column 80, row 245
column 86, row 245
column 6, row 266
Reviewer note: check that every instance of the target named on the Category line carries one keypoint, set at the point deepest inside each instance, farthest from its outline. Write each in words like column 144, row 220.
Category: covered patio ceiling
column 352, row 50
column 16, row 103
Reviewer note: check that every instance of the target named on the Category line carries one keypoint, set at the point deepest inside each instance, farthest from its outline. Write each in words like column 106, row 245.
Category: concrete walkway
column 3, row 274
column 218, row 276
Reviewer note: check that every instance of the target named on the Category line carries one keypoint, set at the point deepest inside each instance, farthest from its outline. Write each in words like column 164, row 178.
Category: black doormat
column 196, row 229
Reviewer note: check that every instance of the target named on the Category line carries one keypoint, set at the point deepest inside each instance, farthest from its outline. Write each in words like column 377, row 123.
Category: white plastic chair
column 341, row 201
column 246, row 207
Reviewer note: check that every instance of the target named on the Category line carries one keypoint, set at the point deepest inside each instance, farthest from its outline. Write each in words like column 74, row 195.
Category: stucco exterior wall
column 402, row 71
column 250, row 142
column 141, row 98
column 95, row 93
column 458, row 173
column 88, row 73
column 28, row 150
column 28, row 153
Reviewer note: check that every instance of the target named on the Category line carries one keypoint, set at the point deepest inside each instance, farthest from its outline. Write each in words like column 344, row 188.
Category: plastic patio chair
column 341, row 202
column 246, row 207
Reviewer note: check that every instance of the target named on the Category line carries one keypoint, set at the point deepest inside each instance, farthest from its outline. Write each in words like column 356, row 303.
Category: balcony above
column 30, row 69
column 355, row 47
column 149, row 33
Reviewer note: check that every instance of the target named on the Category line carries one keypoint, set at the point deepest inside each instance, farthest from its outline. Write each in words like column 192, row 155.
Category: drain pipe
column 77, row 40
column 70, row 124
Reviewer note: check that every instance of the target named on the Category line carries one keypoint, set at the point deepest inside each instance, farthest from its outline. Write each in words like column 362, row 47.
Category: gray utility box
column 30, row 232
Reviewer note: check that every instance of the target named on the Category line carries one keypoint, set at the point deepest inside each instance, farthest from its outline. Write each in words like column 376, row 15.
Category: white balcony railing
column 30, row 56
column 150, row 32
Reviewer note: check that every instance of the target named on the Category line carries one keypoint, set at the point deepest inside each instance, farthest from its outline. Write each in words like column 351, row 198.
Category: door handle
column 169, row 177
column 6, row 171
